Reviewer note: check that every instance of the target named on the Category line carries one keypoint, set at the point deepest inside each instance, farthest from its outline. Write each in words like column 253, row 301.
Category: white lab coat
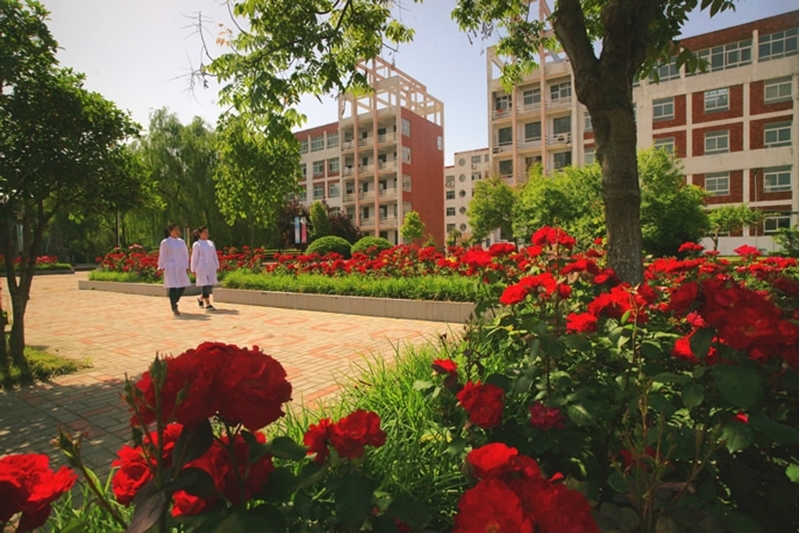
column 173, row 259
column 205, row 262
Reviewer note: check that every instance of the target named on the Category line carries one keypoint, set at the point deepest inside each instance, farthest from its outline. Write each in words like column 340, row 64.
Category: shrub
column 330, row 244
column 370, row 246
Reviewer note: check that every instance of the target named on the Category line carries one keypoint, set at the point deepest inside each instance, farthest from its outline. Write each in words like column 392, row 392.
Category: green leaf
column 75, row 525
column 410, row 511
column 692, row 395
column 192, row 443
column 737, row 435
column 353, row 500
column 281, row 485
column 286, row 448
column 791, row 473
column 738, row 385
column 739, row 523
column 577, row 342
column 500, row 380
column 669, row 377
column 624, row 517
column 423, row 386
column 780, row 433
column 659, row 404
column 700, row 342
column 581, row 416
column 650, row 350
column 148, row 503
column 618, row 482
column 456, row 446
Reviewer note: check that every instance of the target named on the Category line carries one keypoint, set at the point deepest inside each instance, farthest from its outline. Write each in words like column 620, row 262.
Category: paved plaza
column 121, row 334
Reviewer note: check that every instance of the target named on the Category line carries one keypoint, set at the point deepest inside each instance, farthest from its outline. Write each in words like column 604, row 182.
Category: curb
column 453, row 312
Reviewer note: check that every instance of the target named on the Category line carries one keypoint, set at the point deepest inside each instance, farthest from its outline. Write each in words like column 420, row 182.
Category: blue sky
column 138, row 53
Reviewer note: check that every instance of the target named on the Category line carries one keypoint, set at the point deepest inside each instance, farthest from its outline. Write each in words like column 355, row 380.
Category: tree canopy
column 491, row 207
column 413, row 227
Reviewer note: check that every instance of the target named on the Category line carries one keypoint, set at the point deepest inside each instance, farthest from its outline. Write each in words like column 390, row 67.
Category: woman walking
column 204, row 265
column 173, row 261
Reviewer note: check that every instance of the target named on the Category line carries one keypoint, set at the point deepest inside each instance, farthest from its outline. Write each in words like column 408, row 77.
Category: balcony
column 501, row 114
column 387, row 138
column 558, row 103
column 530, row 144
column 387, row 166
column 500, row 148
column 559, row 139
column 389, row 193
column 347, row 146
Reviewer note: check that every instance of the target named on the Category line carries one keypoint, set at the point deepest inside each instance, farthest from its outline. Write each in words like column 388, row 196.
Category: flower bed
column 45, row 264
column 581, row 404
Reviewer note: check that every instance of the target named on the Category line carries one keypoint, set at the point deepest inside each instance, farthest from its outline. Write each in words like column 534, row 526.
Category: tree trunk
column 615, row 137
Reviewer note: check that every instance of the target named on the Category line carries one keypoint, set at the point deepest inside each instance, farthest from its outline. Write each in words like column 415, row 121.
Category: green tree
column 320, row 221
column 787, row 239
column 413, row 227
column 491, row 207
column 259, row 165
column 570, row 199
column 672, row 211
column 729, row 218
column 62, row 149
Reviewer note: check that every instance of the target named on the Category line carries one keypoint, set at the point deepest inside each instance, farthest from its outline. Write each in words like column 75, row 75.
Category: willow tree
column 313, row 47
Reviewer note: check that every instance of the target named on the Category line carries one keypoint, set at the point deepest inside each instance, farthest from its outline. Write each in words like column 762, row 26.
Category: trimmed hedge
column 370, row 246
column 328, row 244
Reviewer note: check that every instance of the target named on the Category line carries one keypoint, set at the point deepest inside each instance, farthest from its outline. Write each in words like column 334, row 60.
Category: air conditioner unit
column 562, row 138
column 496, row 150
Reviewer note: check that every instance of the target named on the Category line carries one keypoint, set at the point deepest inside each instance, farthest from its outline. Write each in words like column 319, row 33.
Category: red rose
column 562, row 510
column 514, row 294
column 546, row 417
column 483, row 403
column 445, row 366
column 316, row 440
column 27, row 485
column 491, row 506
column 135, row 470
column 350, row 434
column 497, row 460
column 581, row 323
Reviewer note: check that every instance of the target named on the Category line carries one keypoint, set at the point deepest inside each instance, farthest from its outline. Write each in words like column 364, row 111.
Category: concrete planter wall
column 455, row 312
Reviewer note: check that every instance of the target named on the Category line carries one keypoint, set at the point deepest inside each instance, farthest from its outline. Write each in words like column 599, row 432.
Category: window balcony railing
column 559, row 138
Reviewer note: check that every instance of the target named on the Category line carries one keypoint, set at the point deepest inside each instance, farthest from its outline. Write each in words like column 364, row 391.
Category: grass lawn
column 45, row 366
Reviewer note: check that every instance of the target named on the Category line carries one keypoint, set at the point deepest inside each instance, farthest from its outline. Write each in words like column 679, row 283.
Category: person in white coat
column 173, row 261
column 204, row 265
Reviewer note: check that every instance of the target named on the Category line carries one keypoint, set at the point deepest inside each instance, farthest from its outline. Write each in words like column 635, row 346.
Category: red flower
column 501, row 248
column 544, row 417
column 483, row 403
column 445, row 366
column 27, row 485
column 746, row 250
column 492, row 460
column 690, row 247
column 552, row 236
column 135, row 470
column 491, row 506
column 560, row 510
column 352, row 433
column 316, row 440
column 581, row 323
column 514, row 294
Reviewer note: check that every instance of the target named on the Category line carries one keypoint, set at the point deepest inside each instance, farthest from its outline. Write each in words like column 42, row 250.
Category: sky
column 139, row 53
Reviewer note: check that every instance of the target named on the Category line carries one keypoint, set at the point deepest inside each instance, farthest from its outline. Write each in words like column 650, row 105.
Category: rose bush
column 576, row 403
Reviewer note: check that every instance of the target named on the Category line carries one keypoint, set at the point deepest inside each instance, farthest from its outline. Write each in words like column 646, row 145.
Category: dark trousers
column 206, row 290
column 175, row 294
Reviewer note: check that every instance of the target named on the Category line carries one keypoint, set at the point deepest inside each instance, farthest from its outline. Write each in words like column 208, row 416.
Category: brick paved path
column 121, row 334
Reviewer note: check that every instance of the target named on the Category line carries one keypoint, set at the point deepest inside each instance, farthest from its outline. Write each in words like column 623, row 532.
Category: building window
column 462, row 178
column 462, row 193
column 506, row 167
column 476, row 176
column 405, row 126
column 502, row 102
column 778, row 179
column 560, row 91
column 304, row 147
column 504, row 136
column 778, row 90
column 531, row 96
column 319, row 192
column 731, row 55
column 406, row 183
column 717, row 142
column 773, row 224
column 303, row 169
column 778, row 134
column 333, row 190
column 716, row 100
column 718, row 184
column 562, row 125
column 462, row 210
column 317, row 143
column 301, row 196
column 529, row 161
column 777, row 45
column 406, row 154
column 588, row 156
column 450, row 195
column 439, row 142
column 451, row 212
column 587, row 122
column 451, row 227
column 318, row 168
column 333, row 139
column 450, row 181
column 666, row 72
column 333, row 166
column 463, row 227
column 663, row 109
column 562, row 159
column 475, row 160
column 665, row 143
column 533, row 131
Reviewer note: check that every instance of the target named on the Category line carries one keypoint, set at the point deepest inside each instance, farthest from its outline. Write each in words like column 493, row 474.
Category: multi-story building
column 459, row 188
column 383, row 158
column 734, row 126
